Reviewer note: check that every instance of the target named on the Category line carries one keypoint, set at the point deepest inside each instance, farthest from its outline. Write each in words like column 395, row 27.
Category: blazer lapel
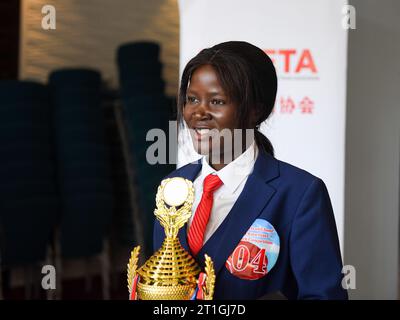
column 253, row 199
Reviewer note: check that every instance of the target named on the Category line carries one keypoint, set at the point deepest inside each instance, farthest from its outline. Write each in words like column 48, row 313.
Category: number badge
column 256, row 253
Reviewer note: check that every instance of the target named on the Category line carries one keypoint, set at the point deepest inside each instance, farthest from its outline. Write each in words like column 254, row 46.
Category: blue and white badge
column 257, row 252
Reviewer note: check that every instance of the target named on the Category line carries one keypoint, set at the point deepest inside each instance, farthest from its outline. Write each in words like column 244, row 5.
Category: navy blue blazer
column 297, row 205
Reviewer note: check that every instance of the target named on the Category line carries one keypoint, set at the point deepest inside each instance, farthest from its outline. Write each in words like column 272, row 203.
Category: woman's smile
column 202, row 133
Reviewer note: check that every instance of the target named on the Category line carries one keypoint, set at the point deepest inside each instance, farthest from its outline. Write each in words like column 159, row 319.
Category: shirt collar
column 233, row 174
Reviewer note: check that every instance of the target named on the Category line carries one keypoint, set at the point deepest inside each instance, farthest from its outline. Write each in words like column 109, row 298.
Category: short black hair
column 247, row 76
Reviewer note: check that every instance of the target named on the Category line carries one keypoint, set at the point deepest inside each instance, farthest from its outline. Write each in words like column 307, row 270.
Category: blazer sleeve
column 314, row 246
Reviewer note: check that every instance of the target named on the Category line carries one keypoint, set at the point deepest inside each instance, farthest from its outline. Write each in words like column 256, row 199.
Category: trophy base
column 178, row 292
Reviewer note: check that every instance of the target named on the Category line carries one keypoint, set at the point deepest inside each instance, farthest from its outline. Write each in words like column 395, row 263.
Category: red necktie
column 198, row 227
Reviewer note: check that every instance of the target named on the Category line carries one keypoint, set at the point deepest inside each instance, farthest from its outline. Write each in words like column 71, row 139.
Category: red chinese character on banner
column 287, row 105
column 306, row 105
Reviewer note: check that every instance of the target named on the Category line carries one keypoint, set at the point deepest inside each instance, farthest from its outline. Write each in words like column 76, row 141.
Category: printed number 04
column 241, row 258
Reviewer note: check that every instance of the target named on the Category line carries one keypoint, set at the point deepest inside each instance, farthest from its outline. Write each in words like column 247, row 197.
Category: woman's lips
column 201, row 133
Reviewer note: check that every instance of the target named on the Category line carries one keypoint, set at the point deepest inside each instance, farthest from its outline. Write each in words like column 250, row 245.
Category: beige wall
column 88, row 33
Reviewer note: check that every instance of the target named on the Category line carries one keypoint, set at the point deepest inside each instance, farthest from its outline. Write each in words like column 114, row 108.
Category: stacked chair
column 64, row 185
column 29, row 203
column 84, row 173
column 145, row 107
column 123, row 232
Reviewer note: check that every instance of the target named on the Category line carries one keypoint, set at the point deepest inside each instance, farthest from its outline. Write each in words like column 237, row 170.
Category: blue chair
column 29, row 202
column 144, row 107
column 86, row 194
column 137, row 51
column 79, row 125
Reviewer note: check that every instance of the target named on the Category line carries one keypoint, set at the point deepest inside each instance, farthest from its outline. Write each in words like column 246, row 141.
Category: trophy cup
column 171, row 273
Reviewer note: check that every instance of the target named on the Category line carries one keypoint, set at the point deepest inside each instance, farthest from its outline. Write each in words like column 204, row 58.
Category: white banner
column 308, row 44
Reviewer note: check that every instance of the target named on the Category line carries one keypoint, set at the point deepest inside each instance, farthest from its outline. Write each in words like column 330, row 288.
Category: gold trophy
column 171, row 273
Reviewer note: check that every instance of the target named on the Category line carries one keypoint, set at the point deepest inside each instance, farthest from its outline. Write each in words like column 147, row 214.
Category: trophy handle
column 132, row 267
column 210, row 279
column 206, row 281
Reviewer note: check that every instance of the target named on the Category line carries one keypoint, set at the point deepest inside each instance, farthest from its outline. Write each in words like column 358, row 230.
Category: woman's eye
column 191, row 99
column 217, row 101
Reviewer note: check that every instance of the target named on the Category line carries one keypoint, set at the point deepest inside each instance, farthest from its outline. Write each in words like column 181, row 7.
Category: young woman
column 267, row 225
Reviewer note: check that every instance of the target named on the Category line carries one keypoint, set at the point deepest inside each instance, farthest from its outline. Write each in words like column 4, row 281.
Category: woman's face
column 207, row 111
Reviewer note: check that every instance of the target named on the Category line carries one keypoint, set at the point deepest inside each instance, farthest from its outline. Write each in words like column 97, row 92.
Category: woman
column 267, row 225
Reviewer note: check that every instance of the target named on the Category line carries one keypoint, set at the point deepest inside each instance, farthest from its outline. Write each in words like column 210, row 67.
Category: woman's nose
column 201, row 112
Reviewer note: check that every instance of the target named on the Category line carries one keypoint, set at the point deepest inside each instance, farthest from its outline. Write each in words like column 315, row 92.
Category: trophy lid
column 176, row 192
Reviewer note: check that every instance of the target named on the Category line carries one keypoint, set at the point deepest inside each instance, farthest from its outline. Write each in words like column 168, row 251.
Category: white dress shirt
column 234, row 176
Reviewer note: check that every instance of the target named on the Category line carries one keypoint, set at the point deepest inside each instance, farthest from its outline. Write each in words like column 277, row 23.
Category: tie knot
column 211, row 183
